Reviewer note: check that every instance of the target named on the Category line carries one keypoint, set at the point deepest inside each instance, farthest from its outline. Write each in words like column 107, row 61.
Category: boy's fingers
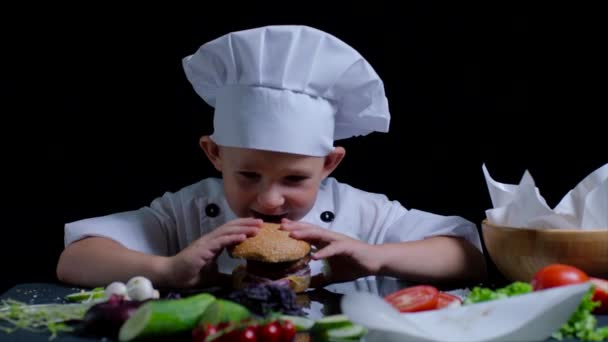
column 307, row 236
column 296, row 225
column 246, row 221
column 227, row 240
column 328, row 251
column 313, row 235
column 248, row 230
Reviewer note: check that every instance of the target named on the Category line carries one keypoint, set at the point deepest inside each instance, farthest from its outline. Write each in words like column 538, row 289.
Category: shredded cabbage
column 39, row 318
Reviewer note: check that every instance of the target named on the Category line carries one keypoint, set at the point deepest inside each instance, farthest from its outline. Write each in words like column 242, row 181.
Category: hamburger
column 272, row 256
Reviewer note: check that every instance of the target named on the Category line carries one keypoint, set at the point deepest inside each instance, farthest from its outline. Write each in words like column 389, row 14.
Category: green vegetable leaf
column 482, row 294
column 582, row 324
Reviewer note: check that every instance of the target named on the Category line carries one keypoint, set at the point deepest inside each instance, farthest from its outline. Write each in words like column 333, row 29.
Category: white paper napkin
column 528, row 317
column 522, row 205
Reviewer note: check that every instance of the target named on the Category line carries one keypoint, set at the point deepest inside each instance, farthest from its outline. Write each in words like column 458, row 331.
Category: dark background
column 98, row 116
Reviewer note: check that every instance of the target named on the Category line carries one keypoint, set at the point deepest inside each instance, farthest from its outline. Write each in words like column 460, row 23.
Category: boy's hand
column 196, row 264
column 347, row 258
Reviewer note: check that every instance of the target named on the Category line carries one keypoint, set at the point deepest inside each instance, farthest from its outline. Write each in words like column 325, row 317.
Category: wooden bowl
column 519, row 253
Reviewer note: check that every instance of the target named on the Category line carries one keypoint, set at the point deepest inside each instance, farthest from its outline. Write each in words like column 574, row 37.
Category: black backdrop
column 99, row 117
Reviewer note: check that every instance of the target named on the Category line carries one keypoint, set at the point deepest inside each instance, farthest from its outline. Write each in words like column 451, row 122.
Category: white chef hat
column 291, row 89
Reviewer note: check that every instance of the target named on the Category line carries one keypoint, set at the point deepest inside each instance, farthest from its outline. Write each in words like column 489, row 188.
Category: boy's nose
column 270, row 199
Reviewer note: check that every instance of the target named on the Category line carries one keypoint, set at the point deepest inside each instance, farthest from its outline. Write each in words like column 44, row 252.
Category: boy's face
column 270, row 185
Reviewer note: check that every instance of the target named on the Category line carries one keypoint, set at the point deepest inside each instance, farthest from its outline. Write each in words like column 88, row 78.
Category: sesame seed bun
column 271, row 244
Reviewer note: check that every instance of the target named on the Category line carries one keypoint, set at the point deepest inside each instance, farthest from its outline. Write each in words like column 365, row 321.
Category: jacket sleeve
column 381, row 220
column 147, row 229
column 416, row 225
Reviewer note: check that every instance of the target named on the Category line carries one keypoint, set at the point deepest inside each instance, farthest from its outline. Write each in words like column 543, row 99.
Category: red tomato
column 600, row 295
column 446, row 299
column 270, row 332
column 210, row 329
column 223, row 325
column 288, row 331
column 248, row 335
column 200, row 332
column 414, row 298
column 558, row 275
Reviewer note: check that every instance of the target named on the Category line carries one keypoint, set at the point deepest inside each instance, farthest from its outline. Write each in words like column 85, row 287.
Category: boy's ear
column 212, row 150
column 333, row 160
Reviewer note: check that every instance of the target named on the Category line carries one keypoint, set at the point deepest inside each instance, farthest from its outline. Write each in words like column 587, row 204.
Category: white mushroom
column 116, row 288
column 140, row 288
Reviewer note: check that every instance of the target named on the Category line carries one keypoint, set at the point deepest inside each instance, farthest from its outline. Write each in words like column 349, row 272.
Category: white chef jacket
column 173, row 221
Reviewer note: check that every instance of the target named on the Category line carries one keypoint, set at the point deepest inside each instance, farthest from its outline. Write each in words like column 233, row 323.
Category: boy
column 282, row 95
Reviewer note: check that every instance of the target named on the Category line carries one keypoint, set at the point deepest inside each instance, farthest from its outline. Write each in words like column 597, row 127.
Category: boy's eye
column 296, row 179
column 248, row 175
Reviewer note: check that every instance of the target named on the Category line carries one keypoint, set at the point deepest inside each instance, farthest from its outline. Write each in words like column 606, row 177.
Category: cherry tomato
column 270, row 332
column 229, row 336
column 200, row 333
column 221, row 326
column 558, row 275
column 445, row 299
column 248, row 335
column 251, row 324
column 288, row 331
column 600, row 295
column 210, row 329
column 414, row 298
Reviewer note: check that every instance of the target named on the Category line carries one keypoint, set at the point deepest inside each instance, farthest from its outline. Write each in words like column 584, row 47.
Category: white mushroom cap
column 116, row 288
column 140, row 288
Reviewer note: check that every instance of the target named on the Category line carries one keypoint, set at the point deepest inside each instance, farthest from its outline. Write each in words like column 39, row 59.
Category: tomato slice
column 600, row 295
column 446, row 299
column 414, row 298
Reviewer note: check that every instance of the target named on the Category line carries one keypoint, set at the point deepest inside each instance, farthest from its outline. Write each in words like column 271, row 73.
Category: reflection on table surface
column 315, row 303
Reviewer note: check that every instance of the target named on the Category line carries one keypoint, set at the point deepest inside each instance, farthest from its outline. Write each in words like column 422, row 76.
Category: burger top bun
column 271, row 244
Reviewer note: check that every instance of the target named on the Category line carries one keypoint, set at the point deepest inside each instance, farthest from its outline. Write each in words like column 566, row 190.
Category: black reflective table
column 316, row 304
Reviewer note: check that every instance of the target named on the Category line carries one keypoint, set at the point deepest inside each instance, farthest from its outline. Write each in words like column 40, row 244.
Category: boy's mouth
column 268, row 218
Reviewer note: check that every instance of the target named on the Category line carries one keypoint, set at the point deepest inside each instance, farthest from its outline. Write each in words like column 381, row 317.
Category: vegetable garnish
column 558, row 275
column 600, row 295
column 137, row 288
column 86, row 296
column 482, row 294
column 162, row 318
column 40, row 317
column 414, row 298
column 582, row 324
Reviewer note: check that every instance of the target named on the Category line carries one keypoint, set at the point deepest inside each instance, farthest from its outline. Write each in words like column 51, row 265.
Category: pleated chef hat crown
column 291, row 89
